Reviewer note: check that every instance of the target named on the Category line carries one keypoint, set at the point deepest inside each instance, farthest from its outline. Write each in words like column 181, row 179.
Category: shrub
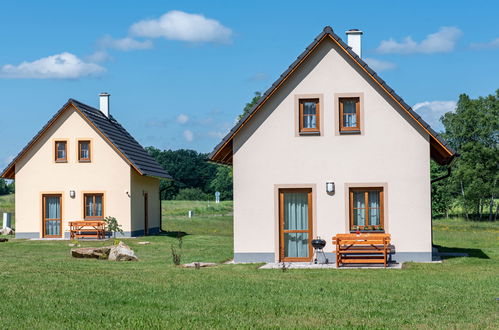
column 113, row 226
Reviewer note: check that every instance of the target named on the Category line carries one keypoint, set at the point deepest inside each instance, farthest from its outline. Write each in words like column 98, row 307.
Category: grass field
column 41, row 286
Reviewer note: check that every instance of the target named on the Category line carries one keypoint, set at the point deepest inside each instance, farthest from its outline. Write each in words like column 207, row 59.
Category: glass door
column 52, row 218
column 295, row 217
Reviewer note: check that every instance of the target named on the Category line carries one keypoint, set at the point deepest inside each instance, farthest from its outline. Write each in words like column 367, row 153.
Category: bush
column 192, row 194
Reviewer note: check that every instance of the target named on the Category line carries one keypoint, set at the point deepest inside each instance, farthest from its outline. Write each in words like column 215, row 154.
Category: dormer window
column 61, row 151
column 309, row 116
column 84, row 151
column 349, row 115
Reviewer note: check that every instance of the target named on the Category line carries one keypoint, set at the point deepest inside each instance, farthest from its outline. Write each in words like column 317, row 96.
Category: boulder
column 122, row 252
column 98, row 253
column 199, row 265
column 3, row 239
column 7, row 231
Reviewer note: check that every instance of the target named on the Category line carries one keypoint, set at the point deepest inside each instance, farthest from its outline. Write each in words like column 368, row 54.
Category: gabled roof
column 440, row 151
column 109, row 128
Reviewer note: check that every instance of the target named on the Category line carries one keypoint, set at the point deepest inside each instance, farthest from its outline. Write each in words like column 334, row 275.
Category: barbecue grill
column 318, row 244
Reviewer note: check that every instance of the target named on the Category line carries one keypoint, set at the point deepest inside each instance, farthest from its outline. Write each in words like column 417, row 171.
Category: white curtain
column 52, row 211
column 85, row 154
column 359, row 212
column 296, row 218
column 309, row 115
column 374, row 206
column 349, row 114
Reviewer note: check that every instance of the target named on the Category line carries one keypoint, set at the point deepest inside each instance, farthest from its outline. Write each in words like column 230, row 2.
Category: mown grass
column 43, row 287
column 7, row 205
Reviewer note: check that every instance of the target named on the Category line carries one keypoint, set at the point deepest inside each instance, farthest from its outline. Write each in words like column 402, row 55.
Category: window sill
column 84, row 161
column 310, row 133
column 350, row 132
column 367, row 231
column 61, row 161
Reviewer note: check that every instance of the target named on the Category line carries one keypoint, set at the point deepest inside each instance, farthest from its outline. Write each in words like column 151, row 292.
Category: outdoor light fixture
column 330, row 187
column 72, row 194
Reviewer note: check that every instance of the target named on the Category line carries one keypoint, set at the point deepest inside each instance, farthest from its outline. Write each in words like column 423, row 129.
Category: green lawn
column 7, row 205
column 41, row 286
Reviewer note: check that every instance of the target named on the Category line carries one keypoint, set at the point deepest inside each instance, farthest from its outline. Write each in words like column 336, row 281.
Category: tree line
column 6, row 187
column 472, row 189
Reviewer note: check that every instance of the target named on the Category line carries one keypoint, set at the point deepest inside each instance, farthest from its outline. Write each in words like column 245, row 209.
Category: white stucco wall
column 37, row 174
column 140, row 185
column 391, row 151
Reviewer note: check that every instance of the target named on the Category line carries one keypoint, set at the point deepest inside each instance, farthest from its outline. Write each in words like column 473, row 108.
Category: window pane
column 374, row 207
column 61, row 150
column 84, row 150
column 98, row 205
column 359, row 211
column 296, row 211
column 349, row 113
column 296, row 245
column 52, row 207
column 309, row 115
column 89, row 206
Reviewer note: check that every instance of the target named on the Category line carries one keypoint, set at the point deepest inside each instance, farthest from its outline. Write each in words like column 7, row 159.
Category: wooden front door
column 52, row 215
column 295, row 223
column 146, row 213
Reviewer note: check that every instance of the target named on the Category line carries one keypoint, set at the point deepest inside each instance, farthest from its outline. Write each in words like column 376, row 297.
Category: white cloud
column 124, row 44
column 260, row 76
column 379, row 65
column 431, row 111
column 182, row 119
column 188, row 135
column 216, row 134
column 442, row 41
column 178, row 25
column 486, row 45
column 60, row 66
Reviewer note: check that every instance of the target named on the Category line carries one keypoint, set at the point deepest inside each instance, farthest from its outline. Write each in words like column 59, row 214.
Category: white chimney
column 104, row 103
column 354, row 37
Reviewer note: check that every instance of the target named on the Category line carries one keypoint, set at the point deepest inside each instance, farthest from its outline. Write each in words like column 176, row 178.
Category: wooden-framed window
column 84, row 151
column 309, row 113
column 93, row 206
column 61, row 151
column 349, row 114
column 367, row 209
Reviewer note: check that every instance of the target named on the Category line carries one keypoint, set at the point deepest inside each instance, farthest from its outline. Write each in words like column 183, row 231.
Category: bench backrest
column 361, row 239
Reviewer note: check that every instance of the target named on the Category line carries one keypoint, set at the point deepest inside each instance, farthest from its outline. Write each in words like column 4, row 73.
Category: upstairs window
column 84, row 152
column 349, row 115
column 309, row 116
column 61, row 151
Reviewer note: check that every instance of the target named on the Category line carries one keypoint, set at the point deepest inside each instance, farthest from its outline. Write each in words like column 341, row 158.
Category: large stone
column 98, row 253
column 7, row 231
column 122, row 252
column 199, row 265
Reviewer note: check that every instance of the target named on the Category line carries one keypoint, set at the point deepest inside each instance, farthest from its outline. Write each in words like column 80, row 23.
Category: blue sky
column 180, row 72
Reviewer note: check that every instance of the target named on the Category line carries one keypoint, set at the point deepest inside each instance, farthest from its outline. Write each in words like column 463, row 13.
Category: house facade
column 328, row 149
column 83, row 165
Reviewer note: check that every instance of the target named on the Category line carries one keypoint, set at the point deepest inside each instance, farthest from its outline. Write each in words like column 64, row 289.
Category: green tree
column 251, row 104
column 473, row 130
column 4, row 187
column 223, row 182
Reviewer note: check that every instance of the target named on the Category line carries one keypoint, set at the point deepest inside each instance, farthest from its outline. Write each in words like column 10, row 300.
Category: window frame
column 304, row 130
column 93, row 194
column 344, row 129
column 366, row 191
column 78, row 151
column 56, row 154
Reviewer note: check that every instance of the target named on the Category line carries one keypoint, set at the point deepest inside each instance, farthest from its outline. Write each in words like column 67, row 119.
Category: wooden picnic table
column 87, row 228
column 362, row 248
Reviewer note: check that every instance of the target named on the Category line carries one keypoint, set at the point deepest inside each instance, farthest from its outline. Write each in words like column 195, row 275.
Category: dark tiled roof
column 328, row 31
column 115, row 133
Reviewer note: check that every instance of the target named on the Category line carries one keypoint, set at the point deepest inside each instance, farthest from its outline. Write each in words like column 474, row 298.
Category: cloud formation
column 431, row 111
column 442, row 41
column 379, row 65
column 124, row 44
column 188, row 135
column 178, row 25
column 59, row 66
column 182, row 119
column 486, row 45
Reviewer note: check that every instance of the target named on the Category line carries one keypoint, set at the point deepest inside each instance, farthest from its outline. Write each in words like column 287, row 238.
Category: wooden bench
column 87, row 228
column 364, row 248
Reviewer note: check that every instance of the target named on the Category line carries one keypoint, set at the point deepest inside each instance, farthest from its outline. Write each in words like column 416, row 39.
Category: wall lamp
column 330, row 187
column 72, row 194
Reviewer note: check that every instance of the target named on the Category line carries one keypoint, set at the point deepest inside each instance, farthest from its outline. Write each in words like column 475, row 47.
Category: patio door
column 295, row 223
column 52, row 215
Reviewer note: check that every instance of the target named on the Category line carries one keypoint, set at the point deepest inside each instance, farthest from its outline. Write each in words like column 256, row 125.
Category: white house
column 330, row 120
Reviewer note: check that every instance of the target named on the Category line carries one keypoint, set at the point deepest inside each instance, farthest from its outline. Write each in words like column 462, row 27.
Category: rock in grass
column 199, row 265
column 7, row 231
column 3, row 239
column 97, row 253
column 143, row 243
column 122, row 252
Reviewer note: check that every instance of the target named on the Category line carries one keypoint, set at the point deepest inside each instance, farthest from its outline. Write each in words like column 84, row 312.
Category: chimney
column 104, row 103
column 354, row 37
